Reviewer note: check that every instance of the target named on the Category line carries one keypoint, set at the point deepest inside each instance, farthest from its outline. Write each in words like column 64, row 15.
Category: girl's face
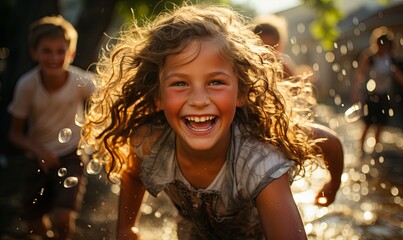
column 199, row 96
column 52, row 55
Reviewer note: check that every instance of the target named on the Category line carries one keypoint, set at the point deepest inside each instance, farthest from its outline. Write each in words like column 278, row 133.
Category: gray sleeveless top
column 225, row 209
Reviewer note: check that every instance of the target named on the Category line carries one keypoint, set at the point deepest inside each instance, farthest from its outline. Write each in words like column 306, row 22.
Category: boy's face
column 53, row 56
column 199, row 96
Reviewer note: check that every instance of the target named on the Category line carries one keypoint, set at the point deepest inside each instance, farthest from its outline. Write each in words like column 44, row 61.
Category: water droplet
column 135, row 230
column 146, row 209
column 88, row 150
column 65, row 135
column 115, row 189
column 70, row 182
column 94, row 167
column 50, row 233
column 371, row 85
column 62, row 172
column 115, row 179
column 322, row 199
column 354, row 113
column 394, row 190
column 79, row 120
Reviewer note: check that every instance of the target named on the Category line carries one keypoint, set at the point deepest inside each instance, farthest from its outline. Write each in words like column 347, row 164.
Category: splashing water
column 70, row 182
column 354, row 113
column 79, row 120
column 94, row 167
column 65, row 135
column 62, row 172
column 115, row 179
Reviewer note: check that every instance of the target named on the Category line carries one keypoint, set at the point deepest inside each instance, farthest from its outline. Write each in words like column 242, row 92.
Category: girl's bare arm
column 130, row 200
column 279, row 215
column 333, row 157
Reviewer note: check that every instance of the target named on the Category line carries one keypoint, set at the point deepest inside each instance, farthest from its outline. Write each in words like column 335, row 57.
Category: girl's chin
column 200, row 142
column 200, row 145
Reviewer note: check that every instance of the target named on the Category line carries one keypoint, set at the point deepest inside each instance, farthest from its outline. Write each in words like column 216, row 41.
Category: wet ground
column 369, row 204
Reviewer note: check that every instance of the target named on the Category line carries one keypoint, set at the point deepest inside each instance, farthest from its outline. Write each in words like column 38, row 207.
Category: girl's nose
column 199, row 97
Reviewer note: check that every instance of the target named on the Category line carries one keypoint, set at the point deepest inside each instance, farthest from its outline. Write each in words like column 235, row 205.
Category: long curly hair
column 129, row 82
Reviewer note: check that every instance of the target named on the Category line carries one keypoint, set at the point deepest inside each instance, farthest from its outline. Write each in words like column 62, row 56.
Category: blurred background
column 324, row 36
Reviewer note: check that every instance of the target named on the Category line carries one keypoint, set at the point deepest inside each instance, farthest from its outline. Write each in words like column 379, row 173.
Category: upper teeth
column 200, row 119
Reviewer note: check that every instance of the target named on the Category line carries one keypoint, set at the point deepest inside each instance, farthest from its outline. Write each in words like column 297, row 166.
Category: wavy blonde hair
column 129, row 84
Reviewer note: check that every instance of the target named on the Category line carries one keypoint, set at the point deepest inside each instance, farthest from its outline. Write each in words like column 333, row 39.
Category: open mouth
column 200, row 123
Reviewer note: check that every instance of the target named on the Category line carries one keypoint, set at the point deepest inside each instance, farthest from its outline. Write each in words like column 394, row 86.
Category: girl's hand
column 327, row 195
column 333, row 155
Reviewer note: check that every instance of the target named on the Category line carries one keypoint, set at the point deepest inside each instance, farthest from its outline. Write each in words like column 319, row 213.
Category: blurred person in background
column 373, row 82
column 46, row 101
column 272, row 29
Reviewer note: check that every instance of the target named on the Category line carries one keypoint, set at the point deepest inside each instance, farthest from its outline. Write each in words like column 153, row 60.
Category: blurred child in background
column 47, row 100
column 272, row 29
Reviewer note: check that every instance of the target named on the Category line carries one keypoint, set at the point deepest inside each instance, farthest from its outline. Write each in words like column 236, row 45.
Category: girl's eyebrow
column 211, row 74
column 226, row 73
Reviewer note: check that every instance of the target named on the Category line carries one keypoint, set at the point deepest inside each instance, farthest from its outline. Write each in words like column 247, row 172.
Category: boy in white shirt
column 46, row 100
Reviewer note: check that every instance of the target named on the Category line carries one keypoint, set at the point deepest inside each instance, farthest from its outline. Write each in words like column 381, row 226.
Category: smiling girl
column 189, row 106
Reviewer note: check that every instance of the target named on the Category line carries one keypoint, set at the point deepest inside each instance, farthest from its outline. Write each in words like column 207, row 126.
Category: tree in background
column 328, row 15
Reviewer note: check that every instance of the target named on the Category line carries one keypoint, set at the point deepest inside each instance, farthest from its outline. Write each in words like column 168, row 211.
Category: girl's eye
column 216, row 82
column 178, row 84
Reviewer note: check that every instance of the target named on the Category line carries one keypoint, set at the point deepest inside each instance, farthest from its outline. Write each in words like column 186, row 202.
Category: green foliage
column 383, row 1
column 324, row 27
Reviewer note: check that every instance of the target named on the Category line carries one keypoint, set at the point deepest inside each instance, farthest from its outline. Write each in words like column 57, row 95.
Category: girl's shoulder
column 146, row 137
column 255, row 153
column 261, row 161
